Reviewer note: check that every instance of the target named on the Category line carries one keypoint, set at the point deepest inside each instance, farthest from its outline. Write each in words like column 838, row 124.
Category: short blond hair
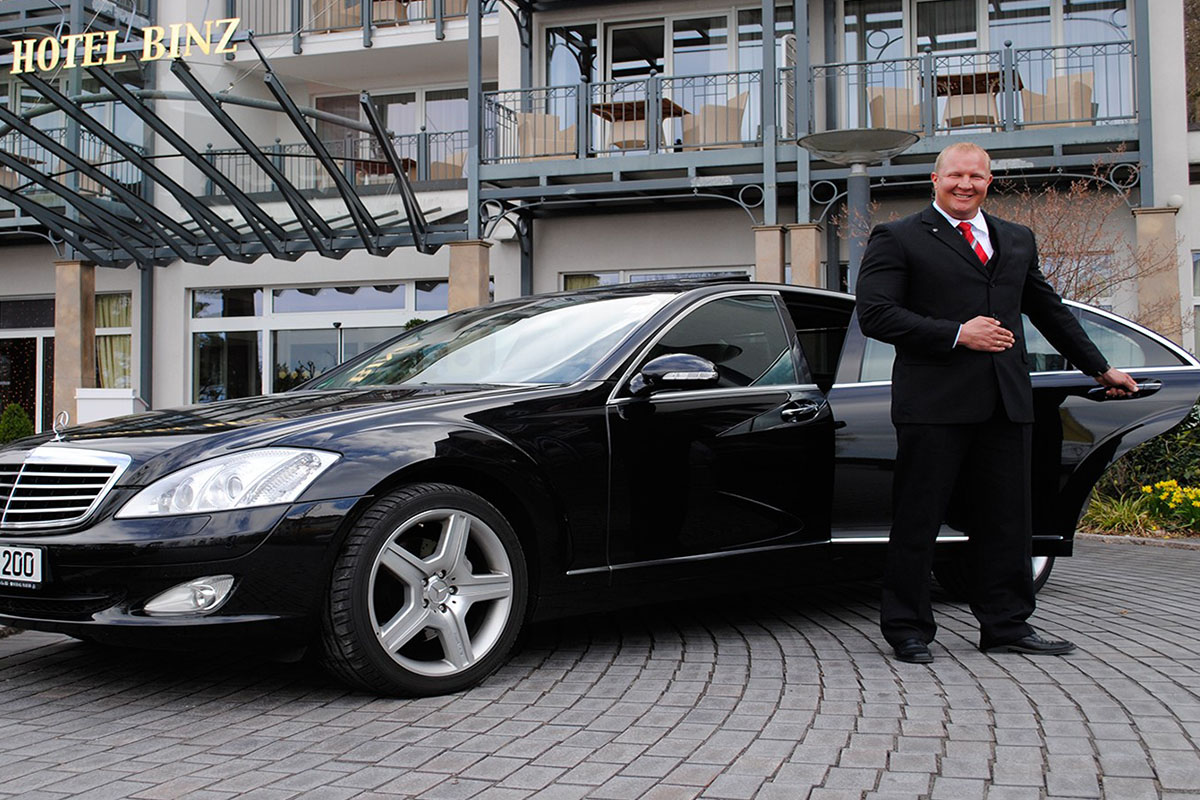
column 969, row 147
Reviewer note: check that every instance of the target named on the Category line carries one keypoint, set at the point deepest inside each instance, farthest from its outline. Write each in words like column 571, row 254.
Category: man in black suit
column 947, row 286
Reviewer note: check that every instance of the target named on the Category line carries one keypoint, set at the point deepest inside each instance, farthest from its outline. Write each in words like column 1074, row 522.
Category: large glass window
column 874, row 29
column 750, row 35
column 338, row 298
column 635, row 51
column 700, row 46
column 446, row 110
column 226, row 303
column 27, row 313
column 947, row 25
column 114, row 351
column 302, row 355
column 570, row 53
column 243, row 346
column 226, row 365
column 1094, row 21
column 1025, row 23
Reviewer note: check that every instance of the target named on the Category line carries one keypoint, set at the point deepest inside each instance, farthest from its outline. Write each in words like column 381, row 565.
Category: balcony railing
column 656, row 114
column 273, row 17
column 91, row 150
column 1000, row 90
column 424, row 156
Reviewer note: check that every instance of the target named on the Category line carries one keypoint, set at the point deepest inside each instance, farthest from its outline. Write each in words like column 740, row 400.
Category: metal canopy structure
column 128, row 228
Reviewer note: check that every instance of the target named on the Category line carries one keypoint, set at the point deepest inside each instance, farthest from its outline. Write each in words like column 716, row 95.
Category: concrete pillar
column 74, row 332
column 469, row 267
column 1158, row 292
column 769, row 253
column 805, row 241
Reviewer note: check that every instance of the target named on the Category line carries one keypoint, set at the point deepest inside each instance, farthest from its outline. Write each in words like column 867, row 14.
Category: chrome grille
column 54, row 486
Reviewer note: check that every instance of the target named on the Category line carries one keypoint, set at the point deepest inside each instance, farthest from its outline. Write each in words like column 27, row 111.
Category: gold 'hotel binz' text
column 99, row 48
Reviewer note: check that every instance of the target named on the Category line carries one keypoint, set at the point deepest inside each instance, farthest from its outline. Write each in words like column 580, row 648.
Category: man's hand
column 1119, row 384
column 985, row 334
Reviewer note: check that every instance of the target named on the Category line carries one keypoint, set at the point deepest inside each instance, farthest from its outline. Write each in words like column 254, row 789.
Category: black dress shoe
column 913, row 651
column 1032, row 644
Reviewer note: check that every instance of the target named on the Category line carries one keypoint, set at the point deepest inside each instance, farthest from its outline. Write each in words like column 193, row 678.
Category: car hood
column 190, row 433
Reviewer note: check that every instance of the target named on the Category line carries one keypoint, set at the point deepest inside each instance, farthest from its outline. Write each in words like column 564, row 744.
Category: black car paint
column 576, row 468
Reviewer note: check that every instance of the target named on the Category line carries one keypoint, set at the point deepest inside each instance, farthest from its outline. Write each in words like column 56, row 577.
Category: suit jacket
column 920, row 280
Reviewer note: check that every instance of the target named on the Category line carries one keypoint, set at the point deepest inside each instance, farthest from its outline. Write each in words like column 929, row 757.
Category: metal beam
column 197, row 210
column 100, row 217
column 408, row 197
column 63, row 228
column 135, row 202
column 363, row 222
column 255, row 217
column 314, row 226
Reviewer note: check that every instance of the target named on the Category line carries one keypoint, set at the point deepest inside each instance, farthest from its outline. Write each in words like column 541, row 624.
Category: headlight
column 242, row 480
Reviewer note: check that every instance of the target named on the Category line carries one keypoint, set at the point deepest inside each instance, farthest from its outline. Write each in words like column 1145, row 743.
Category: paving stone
column 681, row 701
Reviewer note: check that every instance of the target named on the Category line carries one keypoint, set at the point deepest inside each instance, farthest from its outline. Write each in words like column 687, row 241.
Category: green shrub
column 1175, row 455
column 14, row 423
column 1119, row 515
column 413, row 323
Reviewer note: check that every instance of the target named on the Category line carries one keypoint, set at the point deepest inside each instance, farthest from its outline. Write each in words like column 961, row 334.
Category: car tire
column 953, row 576
column 427, row 595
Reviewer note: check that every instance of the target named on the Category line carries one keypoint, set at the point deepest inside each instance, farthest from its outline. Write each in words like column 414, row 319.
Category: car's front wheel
column 427, row 595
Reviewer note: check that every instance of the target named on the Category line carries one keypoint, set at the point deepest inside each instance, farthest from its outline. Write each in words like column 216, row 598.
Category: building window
column 1196, row 301
column 226, row 365
column 208, row 303
column 588, row 280
column 114, row 341
column 243, row 346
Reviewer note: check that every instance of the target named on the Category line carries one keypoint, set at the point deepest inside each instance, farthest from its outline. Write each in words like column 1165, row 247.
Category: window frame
column 620, row 393
column 271, row 321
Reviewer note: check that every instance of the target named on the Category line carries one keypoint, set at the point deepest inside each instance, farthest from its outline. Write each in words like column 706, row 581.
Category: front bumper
column 97, row 579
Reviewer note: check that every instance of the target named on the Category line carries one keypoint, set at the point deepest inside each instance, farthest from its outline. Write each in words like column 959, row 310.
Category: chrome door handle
column 801, row 411
column 1144, row 389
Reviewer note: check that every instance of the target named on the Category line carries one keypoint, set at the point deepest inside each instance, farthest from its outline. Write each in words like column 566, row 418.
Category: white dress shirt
column 979, row 230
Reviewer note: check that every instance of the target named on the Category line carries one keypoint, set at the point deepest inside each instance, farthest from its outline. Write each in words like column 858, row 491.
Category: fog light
column 198, row 597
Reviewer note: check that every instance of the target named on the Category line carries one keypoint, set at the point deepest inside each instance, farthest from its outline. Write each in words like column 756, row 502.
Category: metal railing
column 652, row 115
column 534, row 124
column 424, row 157
column 275, row 17
column 1008, row 89
column 91, row 149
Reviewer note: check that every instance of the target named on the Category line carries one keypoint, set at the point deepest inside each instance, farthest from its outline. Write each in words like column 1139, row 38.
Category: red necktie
column 965, row 227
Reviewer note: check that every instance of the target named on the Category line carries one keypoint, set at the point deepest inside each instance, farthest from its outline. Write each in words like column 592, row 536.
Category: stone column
column 1158, row 292
column 805, row 240
column 74, row 332
column 469, row 267
column 768, row 253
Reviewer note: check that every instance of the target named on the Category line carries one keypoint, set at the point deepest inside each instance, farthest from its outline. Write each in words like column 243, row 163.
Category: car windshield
column 548, row 340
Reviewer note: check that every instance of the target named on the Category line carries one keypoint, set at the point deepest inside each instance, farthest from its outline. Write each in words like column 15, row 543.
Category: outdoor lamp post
column 856, row 148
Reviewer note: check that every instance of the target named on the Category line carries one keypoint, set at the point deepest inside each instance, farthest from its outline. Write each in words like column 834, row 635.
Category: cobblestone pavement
column 783, row 696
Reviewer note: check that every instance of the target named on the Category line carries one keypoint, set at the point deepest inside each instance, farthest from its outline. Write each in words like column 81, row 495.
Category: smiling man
column 947, row 286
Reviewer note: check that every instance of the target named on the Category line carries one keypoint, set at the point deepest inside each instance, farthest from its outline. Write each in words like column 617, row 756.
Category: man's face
column 962, row 183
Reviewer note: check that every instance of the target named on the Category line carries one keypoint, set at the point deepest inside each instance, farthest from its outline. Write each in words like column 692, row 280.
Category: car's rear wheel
column 953, row 575
column 427, row 595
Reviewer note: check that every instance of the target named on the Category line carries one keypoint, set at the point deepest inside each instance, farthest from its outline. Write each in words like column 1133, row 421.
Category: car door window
column 1123, row 346
column 742, row 335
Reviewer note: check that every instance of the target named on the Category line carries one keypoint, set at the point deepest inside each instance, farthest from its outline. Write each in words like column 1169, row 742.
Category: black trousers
column 993, row 458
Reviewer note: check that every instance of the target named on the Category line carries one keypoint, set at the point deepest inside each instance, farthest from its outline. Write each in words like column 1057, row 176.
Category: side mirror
column 674, row 371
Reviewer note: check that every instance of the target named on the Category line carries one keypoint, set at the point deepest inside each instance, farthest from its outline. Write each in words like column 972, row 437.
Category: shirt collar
column 978, row 222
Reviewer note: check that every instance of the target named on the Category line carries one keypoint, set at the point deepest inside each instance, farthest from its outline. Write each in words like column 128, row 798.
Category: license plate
column 20, row 566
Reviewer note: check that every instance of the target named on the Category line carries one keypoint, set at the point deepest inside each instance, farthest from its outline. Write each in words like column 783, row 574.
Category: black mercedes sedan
column 404, row 514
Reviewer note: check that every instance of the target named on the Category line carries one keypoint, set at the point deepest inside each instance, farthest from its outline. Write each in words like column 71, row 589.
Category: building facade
column 550, row 145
